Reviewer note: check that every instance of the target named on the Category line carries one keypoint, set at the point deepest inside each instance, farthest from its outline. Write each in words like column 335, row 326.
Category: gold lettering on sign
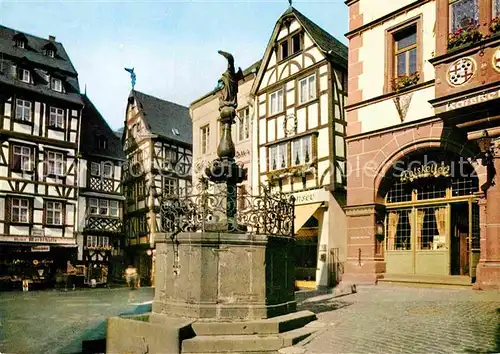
column 484, row 97
column 426, row 171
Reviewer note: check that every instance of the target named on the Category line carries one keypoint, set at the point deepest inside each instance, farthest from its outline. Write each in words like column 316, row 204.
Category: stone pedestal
column 223, row 276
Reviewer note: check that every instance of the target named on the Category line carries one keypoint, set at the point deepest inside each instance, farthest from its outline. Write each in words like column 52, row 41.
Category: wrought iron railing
column 206, row 208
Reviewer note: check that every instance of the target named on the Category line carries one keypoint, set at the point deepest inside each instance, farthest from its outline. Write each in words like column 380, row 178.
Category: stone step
column 245, row 343
column 439, row 281
column 272, row 325
column 232, row 344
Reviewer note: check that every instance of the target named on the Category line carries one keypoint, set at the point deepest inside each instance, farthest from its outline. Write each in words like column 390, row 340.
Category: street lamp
column 484, row 143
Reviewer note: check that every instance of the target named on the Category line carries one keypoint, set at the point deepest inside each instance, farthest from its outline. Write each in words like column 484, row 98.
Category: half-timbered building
column 300, row 92
column 157, row 141
column 100, row 199
column 40, row 110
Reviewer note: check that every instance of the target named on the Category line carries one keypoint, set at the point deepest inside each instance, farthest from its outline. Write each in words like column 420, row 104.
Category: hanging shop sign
column 426, row 171
column 40, row 239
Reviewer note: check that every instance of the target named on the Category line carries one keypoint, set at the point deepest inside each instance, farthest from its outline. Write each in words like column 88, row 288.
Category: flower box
column 404, row 81
column 495, row 25
column 464, row 36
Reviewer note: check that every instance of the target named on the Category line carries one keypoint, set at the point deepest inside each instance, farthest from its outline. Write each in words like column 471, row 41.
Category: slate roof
column 95, row 126
column 163, row 117
column 32, row 57
column 323, row 39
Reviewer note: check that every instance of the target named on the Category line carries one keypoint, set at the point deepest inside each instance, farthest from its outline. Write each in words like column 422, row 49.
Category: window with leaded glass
column 405, row 46
column 169, row 186
column 53, row 213
column 301, row 151
column 399, row 226
column 20, row 210
column 463, row 13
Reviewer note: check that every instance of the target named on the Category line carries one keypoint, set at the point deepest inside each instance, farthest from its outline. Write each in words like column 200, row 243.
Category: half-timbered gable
column 157, row 141
column 299, row 98
column 40, row 110
column 100, row 236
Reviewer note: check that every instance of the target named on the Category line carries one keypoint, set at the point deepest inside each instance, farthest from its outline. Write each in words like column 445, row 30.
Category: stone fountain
column 225, row 267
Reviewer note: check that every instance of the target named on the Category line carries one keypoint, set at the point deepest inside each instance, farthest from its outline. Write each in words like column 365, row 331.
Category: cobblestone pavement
column 57, row 322
column 394, row 319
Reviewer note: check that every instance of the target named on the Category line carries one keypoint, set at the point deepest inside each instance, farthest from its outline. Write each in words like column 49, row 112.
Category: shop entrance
column 432, row 219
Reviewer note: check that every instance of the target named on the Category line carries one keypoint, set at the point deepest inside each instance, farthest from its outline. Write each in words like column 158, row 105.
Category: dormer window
column 49, row 53
column 56, row 84
column 20, row 43
column 25, row 76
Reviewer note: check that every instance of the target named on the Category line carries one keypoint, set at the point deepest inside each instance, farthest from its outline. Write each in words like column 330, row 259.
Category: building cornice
column 350, row 2
column 380, row 20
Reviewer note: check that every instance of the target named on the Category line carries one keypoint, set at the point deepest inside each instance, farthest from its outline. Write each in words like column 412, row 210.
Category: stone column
column 488, row 269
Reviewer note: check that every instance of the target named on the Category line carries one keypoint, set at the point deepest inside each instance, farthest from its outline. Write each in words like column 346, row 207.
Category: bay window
column 93, row 206
column 114, row 208
column 95, row 169
column 103, row 207
column 301, row 151
column 278, row 157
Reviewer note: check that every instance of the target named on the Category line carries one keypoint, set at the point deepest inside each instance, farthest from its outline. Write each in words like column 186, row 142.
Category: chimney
column 52, row 38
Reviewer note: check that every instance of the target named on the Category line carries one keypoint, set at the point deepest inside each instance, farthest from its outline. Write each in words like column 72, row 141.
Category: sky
column 171, row 44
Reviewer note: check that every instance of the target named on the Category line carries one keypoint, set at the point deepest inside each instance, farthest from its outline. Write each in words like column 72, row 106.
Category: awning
column 303, row 213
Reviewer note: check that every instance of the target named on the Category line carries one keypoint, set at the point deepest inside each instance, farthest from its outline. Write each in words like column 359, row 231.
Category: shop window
column 399, row 230
column 276, row 102
column 463, row 13
column 21, row 159
column 431, row 228
column 307, row 89
column 464, row 186
column 20, row 210
column 400, row 192
column 278, row 157
column 432, row 189
column 301, row 151
column 53, row 213
column 56, row 118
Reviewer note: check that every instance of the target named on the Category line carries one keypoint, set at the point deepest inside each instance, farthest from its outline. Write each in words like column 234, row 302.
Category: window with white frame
column 307, row 89
column 49, row 52
column 103, row 241
column 91, row 241
column 55, row 164
column 53, row 213
column 93, row 206
column 95, row 169
column 114, row 208
column 244, row 124
column 103, row 207
column 23, row 110
column 276, row 102
column 21, row 158
column 20, row 43
column 169, row 186
column 107, row 170
column 56, row 117
column 301, row 151
column 20, row 210
column 25, row 75
column 56, row 84
column 205, row 139
column 463, row 13
column 278, row 157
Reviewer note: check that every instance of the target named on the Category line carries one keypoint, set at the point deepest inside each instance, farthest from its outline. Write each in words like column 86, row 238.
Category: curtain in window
column 441, row 217
column 420, row 228
column 307, row 149
column 296, row 152
column 392, row 228
column 463, row 13
column 282, row 150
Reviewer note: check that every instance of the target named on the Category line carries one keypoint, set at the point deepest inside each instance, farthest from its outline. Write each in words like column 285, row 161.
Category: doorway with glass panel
column 432, row 222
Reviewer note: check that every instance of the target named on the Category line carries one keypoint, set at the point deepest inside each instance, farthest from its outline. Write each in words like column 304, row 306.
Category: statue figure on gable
column 229, row 83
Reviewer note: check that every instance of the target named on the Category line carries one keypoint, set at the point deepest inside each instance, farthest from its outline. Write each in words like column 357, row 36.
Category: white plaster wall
column 372, row 10
column 373, row 55
column 384, row 114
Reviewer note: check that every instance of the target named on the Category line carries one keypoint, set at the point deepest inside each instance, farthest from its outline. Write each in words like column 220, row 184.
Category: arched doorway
column 432, row 216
